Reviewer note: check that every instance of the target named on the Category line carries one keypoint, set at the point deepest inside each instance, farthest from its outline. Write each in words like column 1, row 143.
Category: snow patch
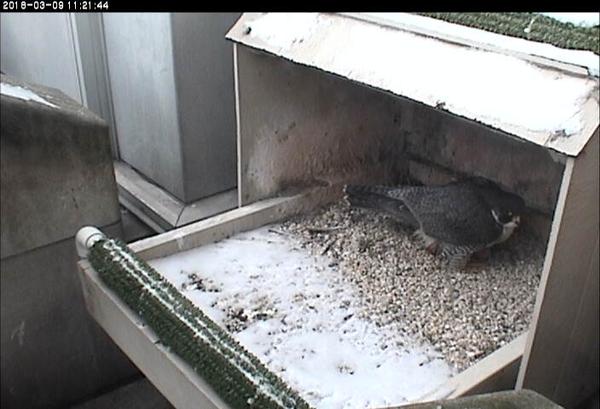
column 23, row 93
column 579, row 19
column 296, row 312
column 577, row 57
column 284, row 33
column 473, row 82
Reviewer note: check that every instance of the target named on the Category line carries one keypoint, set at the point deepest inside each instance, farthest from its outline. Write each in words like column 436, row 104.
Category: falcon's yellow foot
column 475, row 266
column 433, row 248
column 481, row 256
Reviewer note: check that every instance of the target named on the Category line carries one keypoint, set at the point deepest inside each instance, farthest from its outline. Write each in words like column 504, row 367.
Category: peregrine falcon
column 457, row 219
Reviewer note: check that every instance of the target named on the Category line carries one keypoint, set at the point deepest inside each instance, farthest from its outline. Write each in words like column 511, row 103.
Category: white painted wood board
column 172, row 376
column 561, row 356
column 175, row 379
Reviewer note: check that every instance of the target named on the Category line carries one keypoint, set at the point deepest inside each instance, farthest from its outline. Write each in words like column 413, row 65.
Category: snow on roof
column 579, row 19
column 536, row 27
column 464, row 34
column 548, row 100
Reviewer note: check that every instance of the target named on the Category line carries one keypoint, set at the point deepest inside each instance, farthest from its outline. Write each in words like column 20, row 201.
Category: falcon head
column 506, row 207
column 506, row 218
column 506, row 210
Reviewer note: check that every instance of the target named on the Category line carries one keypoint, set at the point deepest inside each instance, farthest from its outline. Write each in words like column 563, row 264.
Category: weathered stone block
column 56, row 176
column 56, row 173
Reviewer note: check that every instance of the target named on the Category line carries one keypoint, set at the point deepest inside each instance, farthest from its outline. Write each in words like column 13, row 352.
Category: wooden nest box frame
column 327, row 99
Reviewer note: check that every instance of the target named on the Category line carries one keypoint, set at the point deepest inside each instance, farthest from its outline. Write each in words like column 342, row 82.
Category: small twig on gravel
column 283, row 233
column 315, row 230
column 326, row 249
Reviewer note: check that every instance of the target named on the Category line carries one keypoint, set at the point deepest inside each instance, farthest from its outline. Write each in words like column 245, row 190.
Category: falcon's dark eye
column 504, row 217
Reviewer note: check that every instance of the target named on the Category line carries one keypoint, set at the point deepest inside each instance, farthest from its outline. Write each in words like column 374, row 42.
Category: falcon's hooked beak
column 515, row 221
column 507, row 228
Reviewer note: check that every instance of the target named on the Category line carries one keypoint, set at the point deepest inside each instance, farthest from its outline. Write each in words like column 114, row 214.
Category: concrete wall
column 56, row 176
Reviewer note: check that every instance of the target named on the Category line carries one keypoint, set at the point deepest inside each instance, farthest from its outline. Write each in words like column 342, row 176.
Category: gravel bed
column 464, row 315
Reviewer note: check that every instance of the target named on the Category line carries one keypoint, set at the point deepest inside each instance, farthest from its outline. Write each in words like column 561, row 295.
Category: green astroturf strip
column 235, row 374
column 544, row 29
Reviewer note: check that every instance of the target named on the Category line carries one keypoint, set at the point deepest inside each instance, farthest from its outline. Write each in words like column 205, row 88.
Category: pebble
column 465, row 315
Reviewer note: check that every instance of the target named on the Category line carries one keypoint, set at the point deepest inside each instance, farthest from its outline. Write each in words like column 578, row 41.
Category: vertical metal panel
column 140, row 61
column 39, row 48
column 203, row 67
column 89, row 33
column 238, row 132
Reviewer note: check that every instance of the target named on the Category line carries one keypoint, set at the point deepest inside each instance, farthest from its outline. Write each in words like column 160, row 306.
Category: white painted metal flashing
column 544, row 98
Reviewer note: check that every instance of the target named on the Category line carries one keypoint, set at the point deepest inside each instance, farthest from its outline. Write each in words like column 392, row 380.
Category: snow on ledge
column 23, row 93
column 311, row 333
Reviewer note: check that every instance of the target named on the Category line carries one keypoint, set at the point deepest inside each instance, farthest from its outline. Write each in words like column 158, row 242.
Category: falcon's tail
column 376, row 197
